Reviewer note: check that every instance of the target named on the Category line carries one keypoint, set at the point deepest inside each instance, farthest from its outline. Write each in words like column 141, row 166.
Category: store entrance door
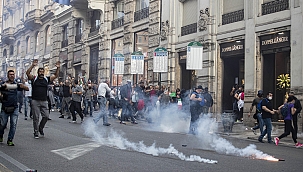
column 233, row 74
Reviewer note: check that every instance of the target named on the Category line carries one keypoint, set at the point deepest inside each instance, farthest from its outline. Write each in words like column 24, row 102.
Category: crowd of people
column 40, row 95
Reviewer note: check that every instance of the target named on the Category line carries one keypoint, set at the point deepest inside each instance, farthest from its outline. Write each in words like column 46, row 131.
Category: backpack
column 284, row 110
column 259, row 106
column 202, row 103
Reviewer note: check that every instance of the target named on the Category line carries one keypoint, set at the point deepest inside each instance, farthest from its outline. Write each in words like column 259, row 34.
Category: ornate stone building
column 244, row 42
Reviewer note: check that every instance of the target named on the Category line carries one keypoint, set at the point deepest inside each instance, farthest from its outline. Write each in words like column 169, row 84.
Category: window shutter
column 232, row 5
column 190, row 12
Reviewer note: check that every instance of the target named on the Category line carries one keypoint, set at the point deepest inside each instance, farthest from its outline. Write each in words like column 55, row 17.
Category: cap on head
column 260, row 93
column 200, row 87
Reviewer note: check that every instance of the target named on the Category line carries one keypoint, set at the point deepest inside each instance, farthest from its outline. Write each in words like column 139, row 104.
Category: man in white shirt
column 103, row 90
column 28, row 99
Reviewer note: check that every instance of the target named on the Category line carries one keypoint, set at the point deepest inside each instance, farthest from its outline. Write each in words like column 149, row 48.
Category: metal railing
column 233, row 17
column 94, row 30
column 117, row 23
column 189, row 29
column 141, row 14
column 275, row 6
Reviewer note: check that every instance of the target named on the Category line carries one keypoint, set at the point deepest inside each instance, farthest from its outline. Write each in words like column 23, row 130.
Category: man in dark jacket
column 209, row 101
column 126, row 91
column 10, row 106
column 298, row 108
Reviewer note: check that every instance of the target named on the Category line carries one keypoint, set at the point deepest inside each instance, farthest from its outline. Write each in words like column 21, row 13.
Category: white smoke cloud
column 174, row 121
column 113, row 139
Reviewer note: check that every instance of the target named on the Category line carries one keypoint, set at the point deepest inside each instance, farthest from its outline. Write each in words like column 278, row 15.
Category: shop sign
column 194, row 59
column 160, row 60
column 277, row 40
column 232, row 48
column 119, row 64
column 137, row 63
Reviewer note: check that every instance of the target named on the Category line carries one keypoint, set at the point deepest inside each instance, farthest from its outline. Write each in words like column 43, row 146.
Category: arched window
column 37, row 36
column 28, row 45
column 11, row 50
column 48, row 36
column 18, row 48
column 47, row 39
column 4, row 53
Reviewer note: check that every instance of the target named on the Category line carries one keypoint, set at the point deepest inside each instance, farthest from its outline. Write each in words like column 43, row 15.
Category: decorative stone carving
column 204, row 19
column 164, row 30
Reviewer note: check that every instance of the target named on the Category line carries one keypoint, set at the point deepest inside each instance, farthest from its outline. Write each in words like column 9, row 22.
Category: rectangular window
column 190, row 12
column 119, row 10
column 141, row 4
column 232, row 6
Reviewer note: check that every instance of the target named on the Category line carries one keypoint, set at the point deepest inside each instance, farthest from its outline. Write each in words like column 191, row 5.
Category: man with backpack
column 257, row 102
column 288, row 110
column 209, row 101
column 267, row 112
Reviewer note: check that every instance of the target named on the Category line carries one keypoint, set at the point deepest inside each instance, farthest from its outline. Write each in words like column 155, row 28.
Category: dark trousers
column 127, row 111
column 76, row 106
column 287, row 129
column 195, row 111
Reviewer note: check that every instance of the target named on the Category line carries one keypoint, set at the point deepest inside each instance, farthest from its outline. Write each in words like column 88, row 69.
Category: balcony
column 8, row 35
column 141, row 14
column 233, row 17
column 33, row 19
column 117, row 23
column 78, row 38
column 275, row 6
column 64, row 43
column 189, row 29
column 94, row 31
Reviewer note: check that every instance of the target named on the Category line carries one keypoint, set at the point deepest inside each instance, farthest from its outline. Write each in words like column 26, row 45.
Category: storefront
column 187, row 77
column 275, row 49
column 232, row 55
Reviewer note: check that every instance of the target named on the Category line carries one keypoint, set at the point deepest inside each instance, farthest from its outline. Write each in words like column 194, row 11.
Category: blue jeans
column 88, row 104
column 267, row 123
column 127, row 111
column 57, row 101
column 13, row 123
column 260, row 124
column 27, row 103
column 102, row 111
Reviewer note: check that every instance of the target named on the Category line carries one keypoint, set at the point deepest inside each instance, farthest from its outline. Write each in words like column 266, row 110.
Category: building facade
column 244, row 42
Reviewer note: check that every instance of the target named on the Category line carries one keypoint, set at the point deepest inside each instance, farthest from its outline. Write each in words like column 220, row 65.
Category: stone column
column 252, row 64
column 128, row 38
column 154, row 38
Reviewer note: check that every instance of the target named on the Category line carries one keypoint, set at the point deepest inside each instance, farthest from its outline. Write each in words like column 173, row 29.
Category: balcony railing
column 78, row 38
column 94, row 30
column 117, row 23
column 189, row 29
column 233, row 17
column 8, row 35
column 141, row 14
column 275, row 6
column 64, row 43
column 33, row 19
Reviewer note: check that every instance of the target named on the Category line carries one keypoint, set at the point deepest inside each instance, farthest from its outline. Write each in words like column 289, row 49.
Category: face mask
column 269, row 98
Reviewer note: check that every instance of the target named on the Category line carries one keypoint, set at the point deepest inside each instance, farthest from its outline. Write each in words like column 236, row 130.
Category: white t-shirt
column 29, row 92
